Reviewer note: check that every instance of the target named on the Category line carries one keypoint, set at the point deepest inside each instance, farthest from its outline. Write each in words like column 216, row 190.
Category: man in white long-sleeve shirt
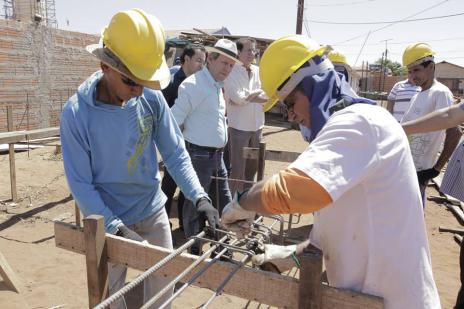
column 244, row 112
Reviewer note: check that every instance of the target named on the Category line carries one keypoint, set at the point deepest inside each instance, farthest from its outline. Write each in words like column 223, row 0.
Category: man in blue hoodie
column 110, row 131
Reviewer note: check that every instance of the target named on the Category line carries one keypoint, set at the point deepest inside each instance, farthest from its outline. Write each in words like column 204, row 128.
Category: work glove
column 276, row 258
column 126, row 232
column 425, row 175
column 237, row 219
column 207, row 212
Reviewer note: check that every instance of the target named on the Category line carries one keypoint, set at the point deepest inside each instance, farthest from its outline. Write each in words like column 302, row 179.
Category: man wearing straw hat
column 110, row 131
column 200, row 110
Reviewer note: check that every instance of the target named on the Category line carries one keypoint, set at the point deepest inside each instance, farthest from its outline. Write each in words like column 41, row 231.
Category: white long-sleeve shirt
column 241, row 114
column 200, row 108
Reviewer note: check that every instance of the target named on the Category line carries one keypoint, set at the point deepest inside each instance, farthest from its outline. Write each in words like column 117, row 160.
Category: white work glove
column 237, row 219
column 282, row 257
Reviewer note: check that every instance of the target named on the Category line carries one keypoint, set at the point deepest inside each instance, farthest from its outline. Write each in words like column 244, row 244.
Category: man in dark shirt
column 192, row 60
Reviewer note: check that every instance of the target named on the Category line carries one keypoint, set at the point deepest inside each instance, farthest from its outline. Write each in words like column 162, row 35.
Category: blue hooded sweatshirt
column 110, row 158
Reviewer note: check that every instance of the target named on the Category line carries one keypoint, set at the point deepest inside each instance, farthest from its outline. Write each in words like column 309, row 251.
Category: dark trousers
column 169, row 186
column 206, row 164
column 460, row 300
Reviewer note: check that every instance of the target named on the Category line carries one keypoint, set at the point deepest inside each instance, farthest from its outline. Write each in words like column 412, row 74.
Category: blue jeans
column 206, row 164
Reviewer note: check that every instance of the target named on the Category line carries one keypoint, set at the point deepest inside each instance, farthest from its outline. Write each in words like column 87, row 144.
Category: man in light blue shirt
column 200, row 111
column 110, row 131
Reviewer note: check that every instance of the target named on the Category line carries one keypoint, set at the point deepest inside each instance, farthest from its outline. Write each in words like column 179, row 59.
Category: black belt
column 204, row 148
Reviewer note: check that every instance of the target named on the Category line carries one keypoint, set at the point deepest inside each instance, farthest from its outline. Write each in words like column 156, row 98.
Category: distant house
column 452, row 75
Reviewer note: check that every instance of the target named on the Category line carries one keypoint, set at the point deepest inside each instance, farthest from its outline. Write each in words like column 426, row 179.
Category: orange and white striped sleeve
column 292, row 191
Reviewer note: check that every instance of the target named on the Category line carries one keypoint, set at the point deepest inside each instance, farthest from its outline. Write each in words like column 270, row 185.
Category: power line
column 389, row 25
column 406, row 42
column 382, row 22
column 342, row 3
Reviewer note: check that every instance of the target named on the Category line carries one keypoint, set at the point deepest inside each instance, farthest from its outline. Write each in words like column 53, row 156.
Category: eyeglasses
column 129, row 82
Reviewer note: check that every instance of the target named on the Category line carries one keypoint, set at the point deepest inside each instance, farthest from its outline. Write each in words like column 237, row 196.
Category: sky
column 275, row 18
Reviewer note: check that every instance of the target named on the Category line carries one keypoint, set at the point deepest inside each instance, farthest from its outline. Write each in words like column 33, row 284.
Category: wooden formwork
column 248, row 283
column 13, row 137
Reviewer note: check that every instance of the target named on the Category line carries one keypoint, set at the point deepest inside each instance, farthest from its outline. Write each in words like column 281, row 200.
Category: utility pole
column 299, row 17
column 384, row 73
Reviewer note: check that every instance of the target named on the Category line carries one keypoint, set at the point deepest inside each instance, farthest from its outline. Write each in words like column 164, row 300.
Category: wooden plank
column 281, row 156
column 77, row 214
column 12, row 137
column 310, row 288
column 11, row 156
column 456, row 211
column 96, row 259
column 42, row 133
column 261, row 161
column 458, row 238
column 338, row 298
column 8, row 275
column 271, row 155
column 21, row 136
column 248, row 283
column 451, row 230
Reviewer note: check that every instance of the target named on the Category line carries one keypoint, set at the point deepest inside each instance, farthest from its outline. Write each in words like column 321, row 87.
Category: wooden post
column 96, row 259
column 11, row 156
column 77, row 213
column 261, row 160
column 310, row 286
column 8, row 275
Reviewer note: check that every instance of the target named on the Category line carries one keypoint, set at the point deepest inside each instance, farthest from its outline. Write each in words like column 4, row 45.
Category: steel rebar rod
column 115, row 296
column 171, row 284
column 218, row 291
column 195, row 276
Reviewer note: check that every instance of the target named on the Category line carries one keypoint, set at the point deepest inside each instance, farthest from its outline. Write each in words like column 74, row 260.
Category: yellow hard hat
column 337, row 57
column 417, row 53
column 138, row 40
column 281, row 59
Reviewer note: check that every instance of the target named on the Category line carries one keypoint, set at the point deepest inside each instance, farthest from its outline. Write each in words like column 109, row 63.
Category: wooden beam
column 77, row 214
column 248, row 283
column 271, row 155
column 11, row 156
column 451, row 230
column 8, row 275
column 310, row 288
column 456, row 210
column 96, row 259
column 21, row 136
column 261, row 161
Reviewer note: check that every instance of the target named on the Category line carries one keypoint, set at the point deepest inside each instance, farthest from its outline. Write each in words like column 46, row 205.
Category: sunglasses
column 289, row 103
column 129, row 82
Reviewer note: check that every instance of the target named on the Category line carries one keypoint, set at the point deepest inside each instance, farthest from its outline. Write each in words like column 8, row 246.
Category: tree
column 396, row 67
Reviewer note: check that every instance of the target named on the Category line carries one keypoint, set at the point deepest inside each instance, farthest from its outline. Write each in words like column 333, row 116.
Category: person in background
column 356, row 175
column 192, row 60
column 427, row 151
column 245, row 115
column 110, row 131
column 200, row 111
column 399, row 98
column 453, row 180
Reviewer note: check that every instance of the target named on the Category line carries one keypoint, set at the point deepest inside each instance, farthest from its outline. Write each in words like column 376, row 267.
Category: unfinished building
column 40, row 65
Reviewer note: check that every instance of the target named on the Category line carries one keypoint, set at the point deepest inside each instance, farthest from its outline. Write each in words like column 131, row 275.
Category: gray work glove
column 207, row 212
column 126, row 232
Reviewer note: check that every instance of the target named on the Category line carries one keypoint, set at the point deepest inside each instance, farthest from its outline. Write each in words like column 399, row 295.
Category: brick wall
column 40, row 68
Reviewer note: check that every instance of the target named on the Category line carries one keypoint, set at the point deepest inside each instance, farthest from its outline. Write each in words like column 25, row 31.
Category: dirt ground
column 55, row 278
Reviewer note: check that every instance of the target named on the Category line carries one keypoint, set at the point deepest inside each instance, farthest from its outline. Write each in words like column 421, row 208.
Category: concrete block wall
column 40, row 68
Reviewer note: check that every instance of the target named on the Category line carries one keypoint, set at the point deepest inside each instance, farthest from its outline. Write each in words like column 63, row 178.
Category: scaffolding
column 40, row 11
column 8, row 11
